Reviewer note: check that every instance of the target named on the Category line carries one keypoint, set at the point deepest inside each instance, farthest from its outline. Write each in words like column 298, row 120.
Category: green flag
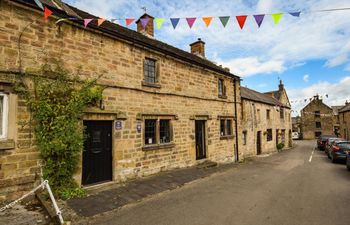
column 224, row 20
column 159, row 22
column 277, row 17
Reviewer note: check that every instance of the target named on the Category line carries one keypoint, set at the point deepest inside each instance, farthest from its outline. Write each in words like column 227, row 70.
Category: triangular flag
column 159, row 22
column 224, row 20
column 277, row 17
column 100, row 21
column 296, row 14
column 47, row 13
column 128, row 21
column 174, row 21
column 39, row 4
column 144, row 22
column 241, row 20
column 207, row 20
column 87, row 21
column 190, row 21
column 259, row 19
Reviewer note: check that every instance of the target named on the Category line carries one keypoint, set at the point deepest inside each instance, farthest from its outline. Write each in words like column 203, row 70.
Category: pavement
column 294, row 187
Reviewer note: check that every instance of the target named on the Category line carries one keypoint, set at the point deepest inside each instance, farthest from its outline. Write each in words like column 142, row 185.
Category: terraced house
column 265, row 120
column 162, row 107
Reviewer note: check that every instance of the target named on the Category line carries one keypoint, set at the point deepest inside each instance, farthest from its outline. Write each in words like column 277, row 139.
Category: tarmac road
column 289, row 188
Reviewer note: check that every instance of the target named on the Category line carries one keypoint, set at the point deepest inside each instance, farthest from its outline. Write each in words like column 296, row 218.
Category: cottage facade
column 162, row 108
column 344, row 121
column 265, row 121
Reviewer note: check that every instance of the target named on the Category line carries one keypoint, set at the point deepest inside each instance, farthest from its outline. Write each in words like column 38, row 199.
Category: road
column 289, row 188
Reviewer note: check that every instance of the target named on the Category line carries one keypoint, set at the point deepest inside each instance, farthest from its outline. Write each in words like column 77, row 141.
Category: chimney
column 281, row 86
column 149, row 29
column 198, row 48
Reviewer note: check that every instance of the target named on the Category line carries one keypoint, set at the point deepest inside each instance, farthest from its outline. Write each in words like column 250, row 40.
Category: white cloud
column 337, row 92
column 306, row 77
column 336, row 61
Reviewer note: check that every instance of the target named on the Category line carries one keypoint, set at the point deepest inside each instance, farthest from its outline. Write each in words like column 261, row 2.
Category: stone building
column 296, row 126
column 162, row 108
column 265, row 121
column 316, row 119
column 344, row 121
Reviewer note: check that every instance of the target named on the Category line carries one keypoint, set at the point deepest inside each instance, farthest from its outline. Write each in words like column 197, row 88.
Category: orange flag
column 207, row 20
column 47, row 13
column 100, row 21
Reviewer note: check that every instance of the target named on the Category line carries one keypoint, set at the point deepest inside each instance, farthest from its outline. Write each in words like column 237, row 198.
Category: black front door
column 200, row 139
column 97, row 154
column 258, row 143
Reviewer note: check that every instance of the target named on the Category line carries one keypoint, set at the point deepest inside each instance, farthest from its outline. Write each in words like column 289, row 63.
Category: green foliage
column 57, row 101
column 280, row 146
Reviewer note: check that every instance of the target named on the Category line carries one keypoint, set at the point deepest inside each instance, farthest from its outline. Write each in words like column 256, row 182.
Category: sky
column 309, row 53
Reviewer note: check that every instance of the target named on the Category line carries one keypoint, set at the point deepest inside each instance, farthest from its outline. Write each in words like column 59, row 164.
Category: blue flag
column 174, row 21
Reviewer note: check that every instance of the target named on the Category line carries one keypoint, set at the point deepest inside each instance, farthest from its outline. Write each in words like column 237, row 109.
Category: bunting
column 100, row 21
column 174, row 22
column 86, row 22
column 144, row 22
column 159, row 22
column 296, row 14
column 277, row 17
column 241, row 20
column 259, row 19
column 190, row 21
column 207, row 20
column 224, row 20
column 128, row 21
column 47, row 13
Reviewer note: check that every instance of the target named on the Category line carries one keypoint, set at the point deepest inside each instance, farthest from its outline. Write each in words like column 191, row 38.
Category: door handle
column 96, row 150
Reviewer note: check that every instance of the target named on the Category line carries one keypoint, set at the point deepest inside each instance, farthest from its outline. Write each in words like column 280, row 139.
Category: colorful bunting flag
column 100, row 21
column 159, row 22
column 47, row 13
column 39, row 4
column 259, row 19
column 174, row 22
column 128, row 21
column 86, row 22
column 207, row 20
column 144, row 22
column 296, row 14
column 190, row 21
column 224, row 20
column 241, row 20
column 277, row 17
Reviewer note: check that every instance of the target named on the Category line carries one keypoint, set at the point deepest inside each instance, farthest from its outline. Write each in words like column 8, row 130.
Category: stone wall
column 185, row 91
column 344, row 119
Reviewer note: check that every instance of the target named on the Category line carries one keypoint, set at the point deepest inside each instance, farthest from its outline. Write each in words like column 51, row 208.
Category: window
column 281, row 113
column 225, row 127
column 244, row 137
column 221, row 88
column 267, row 114
column 158, row 130
column 317, row 134
column 318, row 124
column 269, row 134
column 3, row 115
column 258, row 115
column 317, row 114
column 150, row 71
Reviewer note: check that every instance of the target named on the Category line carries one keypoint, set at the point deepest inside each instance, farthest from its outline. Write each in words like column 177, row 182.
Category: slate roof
column 119, row 32
column 275, row 94
column 336, row 109
column 250, row 94
column 345, row 109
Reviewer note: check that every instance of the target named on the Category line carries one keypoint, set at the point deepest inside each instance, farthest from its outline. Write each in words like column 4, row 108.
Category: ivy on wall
column 57, row 100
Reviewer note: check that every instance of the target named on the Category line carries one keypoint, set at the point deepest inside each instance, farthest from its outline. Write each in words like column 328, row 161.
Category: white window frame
column 5, row 116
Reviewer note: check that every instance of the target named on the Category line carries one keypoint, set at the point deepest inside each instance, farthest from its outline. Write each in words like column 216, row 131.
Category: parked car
column 329, row 143
column 348, row 160
column 322, row 139
column 339, row 151
column 295, row 136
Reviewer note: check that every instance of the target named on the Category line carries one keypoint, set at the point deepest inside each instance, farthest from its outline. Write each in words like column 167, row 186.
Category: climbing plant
column 57, row 100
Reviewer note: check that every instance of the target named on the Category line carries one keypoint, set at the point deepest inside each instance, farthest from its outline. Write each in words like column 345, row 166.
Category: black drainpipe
column 236, row 119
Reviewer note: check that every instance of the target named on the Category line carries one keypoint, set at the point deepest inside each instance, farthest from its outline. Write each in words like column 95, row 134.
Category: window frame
column 269, row 135
column 5, row 112
column 268, row 114
column 281, row 113
column 245, row 134
column 157, row 142
column 320, row 125
column 228, row 130
column 317, row 114
column 222, row 90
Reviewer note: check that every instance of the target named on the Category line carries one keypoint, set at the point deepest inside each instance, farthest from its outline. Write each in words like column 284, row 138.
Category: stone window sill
column 157, row 146
column 7, row 144
column 153, row 85
column 222, row 96
column 227, row 137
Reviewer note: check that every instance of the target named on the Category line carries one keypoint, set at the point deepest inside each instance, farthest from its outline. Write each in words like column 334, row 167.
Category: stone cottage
column 344, row 121
column 265, row 121
column 316, row 119
column 162, row 108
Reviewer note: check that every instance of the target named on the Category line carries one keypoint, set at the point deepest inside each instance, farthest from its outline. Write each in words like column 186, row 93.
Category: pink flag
column 87, row 21
column 190, row 21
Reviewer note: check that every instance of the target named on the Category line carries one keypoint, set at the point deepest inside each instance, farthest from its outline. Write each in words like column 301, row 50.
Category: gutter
column 236, row 120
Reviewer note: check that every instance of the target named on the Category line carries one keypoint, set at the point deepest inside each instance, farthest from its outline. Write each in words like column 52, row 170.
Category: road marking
column 310, row 159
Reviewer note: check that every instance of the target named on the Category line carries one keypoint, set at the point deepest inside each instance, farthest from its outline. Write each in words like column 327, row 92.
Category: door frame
column 112, row 124
column 258, row 143
column 205, row 141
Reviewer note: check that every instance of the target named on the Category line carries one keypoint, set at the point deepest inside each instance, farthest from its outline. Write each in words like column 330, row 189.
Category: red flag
column 128, row 21
column 241, row 20
column 47, row 13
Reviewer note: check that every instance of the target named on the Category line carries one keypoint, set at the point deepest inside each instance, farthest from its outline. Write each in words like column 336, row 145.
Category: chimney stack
column 198, row 48
column 281, row 86
column 149, row 29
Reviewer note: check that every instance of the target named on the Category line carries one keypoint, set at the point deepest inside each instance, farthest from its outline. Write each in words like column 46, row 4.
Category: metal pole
column 58, row 212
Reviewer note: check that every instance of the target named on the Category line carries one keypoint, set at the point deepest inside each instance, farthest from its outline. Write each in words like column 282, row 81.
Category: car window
column 344, row 145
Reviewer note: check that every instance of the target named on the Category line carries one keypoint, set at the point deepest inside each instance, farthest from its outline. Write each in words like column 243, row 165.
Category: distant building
column 336, row 119
column 296, row 124
column 344, row 121
column 316, row 119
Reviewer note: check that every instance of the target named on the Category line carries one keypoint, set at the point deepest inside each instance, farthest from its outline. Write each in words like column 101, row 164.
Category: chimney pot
column 198, row 48
column 149, row 29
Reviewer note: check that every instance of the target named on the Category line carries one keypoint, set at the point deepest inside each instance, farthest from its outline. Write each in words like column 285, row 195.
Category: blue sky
column 310, row 53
